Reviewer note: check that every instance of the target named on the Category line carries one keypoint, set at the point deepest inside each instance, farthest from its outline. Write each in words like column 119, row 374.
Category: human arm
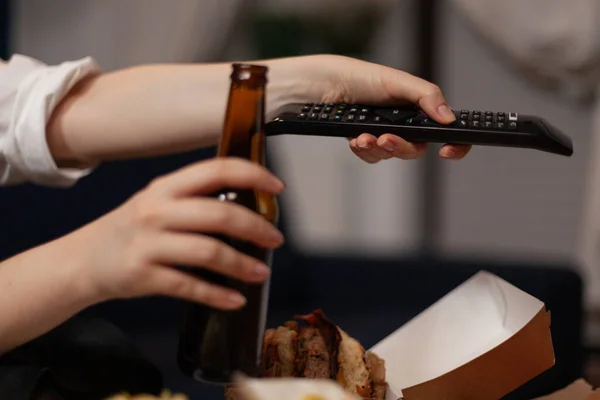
column 160, row 109
column 131, row 251
column 58, row 122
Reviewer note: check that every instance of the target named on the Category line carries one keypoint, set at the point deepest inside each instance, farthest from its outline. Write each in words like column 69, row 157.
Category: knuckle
column 432, row 90
column 209, row 295
column 156, row 184
column 182, row 287
column 219, row 169
column 147, row 214
column 212, row 252
column 223, row 214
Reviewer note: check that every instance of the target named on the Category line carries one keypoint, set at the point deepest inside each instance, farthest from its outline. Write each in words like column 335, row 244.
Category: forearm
column 39, row 289
column 158, row 109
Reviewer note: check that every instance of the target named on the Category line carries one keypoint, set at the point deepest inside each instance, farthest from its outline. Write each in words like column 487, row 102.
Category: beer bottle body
column 214, row 344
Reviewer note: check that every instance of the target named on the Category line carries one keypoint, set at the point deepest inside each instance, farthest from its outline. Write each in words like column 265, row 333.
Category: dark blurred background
column 409, row 231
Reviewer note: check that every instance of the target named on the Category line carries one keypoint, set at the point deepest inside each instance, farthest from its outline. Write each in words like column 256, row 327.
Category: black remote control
column 504, row 129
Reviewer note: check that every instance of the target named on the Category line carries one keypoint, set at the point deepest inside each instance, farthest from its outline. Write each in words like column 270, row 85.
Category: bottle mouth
column 252, row 68
column 249, row 72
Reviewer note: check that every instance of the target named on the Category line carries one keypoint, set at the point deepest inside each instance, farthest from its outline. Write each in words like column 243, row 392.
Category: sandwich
column 320, row 350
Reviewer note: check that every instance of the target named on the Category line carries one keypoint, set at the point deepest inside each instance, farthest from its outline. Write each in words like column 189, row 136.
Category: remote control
column 487, row 128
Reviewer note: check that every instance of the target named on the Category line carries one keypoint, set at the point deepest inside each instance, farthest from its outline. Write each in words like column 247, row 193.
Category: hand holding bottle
column 164, row 225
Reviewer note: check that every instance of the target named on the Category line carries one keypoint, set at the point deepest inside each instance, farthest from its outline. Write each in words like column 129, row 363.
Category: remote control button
column 464, row 112
column 489, row 118
column 337, row 118
column 377, row 119
column 396, row 115
column 476, row 112
column 512, row 116
column 342, row 107
column 487, row 125
column 320, row 104
column 462, row 123
column 501, row 125
column 362, row 118
column 324, row 116
column 314, row 116
column 364, row 110
column 512, row 125
column 464, row 117
column 475, row 124
column 419, row 118
column 306, row 108
column 330, row 105
column 317, row 109
column 309, row 104
column 327, row 109
column 476, row 117
column 501, row 114
column 302, row 116
column 353, row 109
column 489, row 113
column 430, row 122
column 350, row 117
column 339, row 112
column 501, row 118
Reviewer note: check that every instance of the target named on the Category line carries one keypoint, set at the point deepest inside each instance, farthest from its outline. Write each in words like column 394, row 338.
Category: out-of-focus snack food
column 165, row 395
column 320, row 350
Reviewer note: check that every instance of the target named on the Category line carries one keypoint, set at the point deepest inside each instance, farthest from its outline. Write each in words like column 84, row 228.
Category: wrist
column 74, row 264
column 301, row 79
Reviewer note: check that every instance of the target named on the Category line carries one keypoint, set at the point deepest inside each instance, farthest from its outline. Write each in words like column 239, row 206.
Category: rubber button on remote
column 395, row 115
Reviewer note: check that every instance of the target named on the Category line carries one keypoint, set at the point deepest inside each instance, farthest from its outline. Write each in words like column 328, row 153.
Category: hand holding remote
column 339, row 79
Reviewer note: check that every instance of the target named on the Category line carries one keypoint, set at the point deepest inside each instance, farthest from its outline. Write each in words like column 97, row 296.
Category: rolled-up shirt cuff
column 39, row 93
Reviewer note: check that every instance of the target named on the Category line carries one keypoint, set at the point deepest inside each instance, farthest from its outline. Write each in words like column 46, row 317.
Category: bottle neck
column 243, row 134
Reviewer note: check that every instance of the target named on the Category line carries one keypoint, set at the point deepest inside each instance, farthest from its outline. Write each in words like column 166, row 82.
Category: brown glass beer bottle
column 214, row 344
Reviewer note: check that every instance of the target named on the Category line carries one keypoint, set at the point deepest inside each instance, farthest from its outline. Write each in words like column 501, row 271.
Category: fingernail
column 363, row 145
column 278, row 184
column 261, row 270
column 446, row 112
column 389, row 146
column 236, row 299
column 450, row 154
column 276, row 236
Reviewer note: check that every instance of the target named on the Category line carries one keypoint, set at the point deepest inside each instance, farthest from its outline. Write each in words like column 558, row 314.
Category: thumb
column 403, row 86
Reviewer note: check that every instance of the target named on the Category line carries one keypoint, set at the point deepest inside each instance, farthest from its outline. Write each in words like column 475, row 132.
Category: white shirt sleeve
column 29, row 93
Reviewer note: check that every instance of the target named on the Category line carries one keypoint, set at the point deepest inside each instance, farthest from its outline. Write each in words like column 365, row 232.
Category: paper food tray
column 481, row 341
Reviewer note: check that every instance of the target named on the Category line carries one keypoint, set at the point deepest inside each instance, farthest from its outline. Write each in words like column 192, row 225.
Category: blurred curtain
column 555, row 44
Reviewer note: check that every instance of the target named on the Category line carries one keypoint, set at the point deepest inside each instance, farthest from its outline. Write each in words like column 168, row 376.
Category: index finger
column 206, row 177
